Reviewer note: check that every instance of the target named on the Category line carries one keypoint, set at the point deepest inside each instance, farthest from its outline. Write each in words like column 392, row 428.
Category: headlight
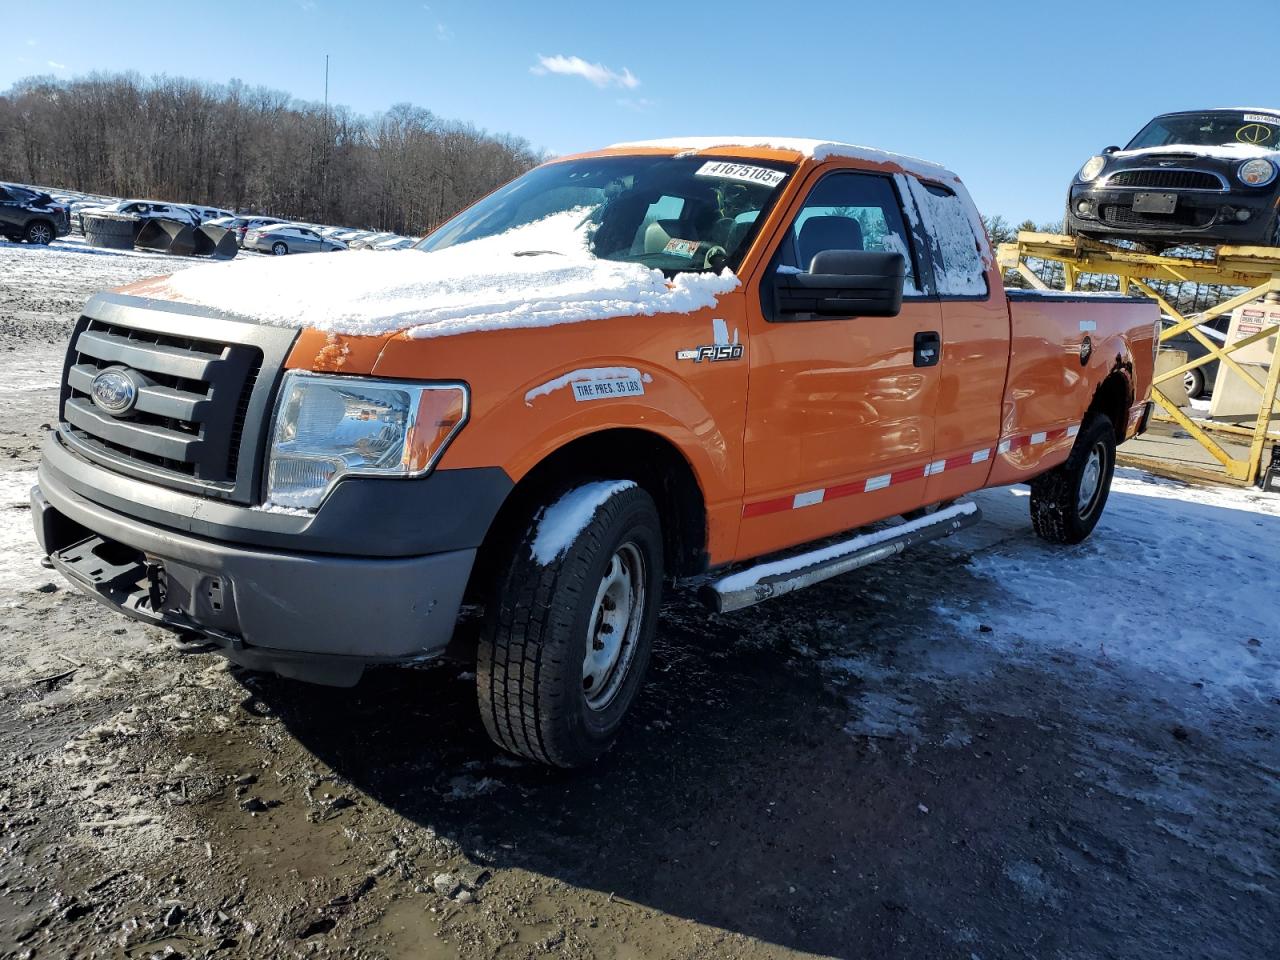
column 328, row 427
column 1092, row 168
column 1256, row 173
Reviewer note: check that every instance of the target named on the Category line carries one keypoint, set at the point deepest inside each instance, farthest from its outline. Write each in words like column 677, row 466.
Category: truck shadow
column 738, row 798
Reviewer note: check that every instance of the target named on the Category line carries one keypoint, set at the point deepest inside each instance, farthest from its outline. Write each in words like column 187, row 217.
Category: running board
column 767, row 580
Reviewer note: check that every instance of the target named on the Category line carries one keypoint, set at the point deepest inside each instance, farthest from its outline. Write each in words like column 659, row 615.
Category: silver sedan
column 283, row 238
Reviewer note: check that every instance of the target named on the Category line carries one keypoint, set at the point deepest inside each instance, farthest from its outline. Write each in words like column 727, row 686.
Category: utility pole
column 328, row 139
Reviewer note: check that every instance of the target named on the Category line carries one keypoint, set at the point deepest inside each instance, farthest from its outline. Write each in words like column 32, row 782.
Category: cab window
column 958, row 268
column 848, row 211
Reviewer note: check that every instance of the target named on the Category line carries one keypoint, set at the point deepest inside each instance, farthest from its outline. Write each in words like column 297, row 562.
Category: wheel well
column 650, row 460
column 44, row 220
column 1112, row 399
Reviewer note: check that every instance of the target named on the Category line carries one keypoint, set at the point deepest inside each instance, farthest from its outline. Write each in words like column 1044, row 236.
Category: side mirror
column 842, row 283
column 1106, row 151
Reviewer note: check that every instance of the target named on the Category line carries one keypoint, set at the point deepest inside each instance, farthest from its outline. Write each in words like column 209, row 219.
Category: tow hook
column 155, row 584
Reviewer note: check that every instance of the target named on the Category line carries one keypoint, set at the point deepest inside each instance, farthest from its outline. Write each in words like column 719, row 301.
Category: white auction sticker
column 1261, row 118
column 608, row 388
column 746, row 172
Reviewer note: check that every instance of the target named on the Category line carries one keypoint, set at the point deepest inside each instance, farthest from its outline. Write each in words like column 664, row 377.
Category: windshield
column 670, row 213
column 1213, row 128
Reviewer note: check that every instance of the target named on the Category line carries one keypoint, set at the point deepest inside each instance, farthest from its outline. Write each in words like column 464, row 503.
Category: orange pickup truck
column 703, row 363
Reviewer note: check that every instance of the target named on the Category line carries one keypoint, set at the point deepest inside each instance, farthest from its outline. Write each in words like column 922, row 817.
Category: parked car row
column 31, row 215
column 68, row 208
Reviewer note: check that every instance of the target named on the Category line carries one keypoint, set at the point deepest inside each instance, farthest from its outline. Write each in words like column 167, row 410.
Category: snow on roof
column 812, row 149
column 501, row 282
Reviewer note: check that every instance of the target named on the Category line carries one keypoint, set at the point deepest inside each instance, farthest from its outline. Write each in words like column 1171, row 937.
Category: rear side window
column 958, row 267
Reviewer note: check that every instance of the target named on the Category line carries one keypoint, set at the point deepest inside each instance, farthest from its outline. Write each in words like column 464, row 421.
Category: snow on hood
column 1227, row 151
column 537, row 275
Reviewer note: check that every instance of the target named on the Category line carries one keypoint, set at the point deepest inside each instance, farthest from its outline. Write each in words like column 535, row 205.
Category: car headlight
column 1256, row 173
column 1092, row 168
column 328, row 427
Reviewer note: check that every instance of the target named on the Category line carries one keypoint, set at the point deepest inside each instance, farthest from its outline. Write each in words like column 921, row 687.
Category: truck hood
column 537, row 275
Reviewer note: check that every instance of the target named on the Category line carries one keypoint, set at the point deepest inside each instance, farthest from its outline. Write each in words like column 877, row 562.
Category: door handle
column 928, row 348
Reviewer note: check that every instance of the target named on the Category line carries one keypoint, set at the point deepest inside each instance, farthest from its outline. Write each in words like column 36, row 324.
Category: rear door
column 8, row 209
column 975, row 339
column 839, row 409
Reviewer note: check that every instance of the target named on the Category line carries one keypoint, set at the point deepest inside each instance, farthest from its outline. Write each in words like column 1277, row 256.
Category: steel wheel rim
column 1091, row 481
column 613, row 632
column 40, row 234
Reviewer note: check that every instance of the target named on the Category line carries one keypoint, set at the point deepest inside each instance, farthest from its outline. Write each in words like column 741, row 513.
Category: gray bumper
column 314, row 616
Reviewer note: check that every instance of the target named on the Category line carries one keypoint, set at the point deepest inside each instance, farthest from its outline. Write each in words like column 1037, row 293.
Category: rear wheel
column 1193, row 380
column 40, row 232
column 570, row 625
column 1067, row 501
column 279, row 249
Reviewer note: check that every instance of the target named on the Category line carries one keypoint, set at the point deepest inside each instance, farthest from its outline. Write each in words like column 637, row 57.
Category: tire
column 1067, row 501
column 543, row 694
column 279, row 248
column 112, row 233
column 1193, row 380
column 40, row 232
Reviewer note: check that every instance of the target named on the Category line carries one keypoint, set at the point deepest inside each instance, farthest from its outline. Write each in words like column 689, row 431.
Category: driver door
column 839, row 428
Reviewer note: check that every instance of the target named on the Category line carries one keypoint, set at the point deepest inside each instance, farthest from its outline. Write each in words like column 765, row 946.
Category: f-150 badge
column 712, row 352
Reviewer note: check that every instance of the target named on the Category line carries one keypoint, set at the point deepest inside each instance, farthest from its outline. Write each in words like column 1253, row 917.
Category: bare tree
column 250, row 149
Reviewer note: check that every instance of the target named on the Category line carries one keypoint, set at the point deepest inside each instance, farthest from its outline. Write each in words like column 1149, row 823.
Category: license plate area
column 1155, row 202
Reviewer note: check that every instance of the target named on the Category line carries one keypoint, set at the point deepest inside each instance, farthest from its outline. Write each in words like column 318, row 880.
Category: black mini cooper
column 1194, row 177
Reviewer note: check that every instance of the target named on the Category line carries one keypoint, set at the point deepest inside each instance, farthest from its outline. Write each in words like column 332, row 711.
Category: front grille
column 1181, row 217
column 187, row 421
column 207, row 385
column 1165, row 180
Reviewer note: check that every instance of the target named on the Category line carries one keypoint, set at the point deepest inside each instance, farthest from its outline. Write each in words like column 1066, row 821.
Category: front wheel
column 570, row 624
column 40, row 233
column 1067, row 501
column 279, row 249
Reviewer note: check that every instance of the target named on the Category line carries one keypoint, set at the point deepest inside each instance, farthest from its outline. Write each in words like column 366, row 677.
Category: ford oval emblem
column 115, row 392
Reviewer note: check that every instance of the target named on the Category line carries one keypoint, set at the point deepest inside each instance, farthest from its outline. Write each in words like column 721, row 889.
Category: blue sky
column 1013, row 97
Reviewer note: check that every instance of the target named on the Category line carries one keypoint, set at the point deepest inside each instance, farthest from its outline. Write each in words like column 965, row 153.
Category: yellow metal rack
column 1255, row 268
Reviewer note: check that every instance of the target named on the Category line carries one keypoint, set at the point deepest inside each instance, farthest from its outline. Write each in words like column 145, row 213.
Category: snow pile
column 20, row 568
column 1172, row 581
column 561, row 523
column 537, row 275
column 812, row 149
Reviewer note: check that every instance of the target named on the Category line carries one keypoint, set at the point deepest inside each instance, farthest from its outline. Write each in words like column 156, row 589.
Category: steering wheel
column 714, row 251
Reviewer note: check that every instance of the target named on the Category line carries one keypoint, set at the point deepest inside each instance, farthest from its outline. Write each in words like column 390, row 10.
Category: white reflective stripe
column 1003, row 447
column 936, row 467
column 807, row 499
column 979, row 456
column 878, row 483
column 1072, row 431
column 1038, row 438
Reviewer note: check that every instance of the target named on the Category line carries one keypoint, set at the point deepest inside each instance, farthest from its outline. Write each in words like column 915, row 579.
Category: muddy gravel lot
column 989, row 748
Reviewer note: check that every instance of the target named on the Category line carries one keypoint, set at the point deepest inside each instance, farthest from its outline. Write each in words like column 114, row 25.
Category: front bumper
column 312, row 615
column 1199, row 216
